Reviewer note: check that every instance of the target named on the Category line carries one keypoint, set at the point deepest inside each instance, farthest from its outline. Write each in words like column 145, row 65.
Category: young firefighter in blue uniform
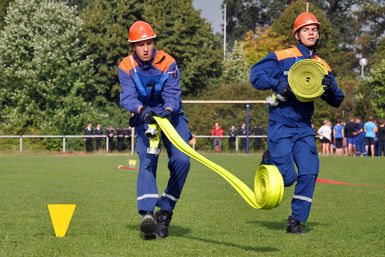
column 150, row 83
column 290, row 135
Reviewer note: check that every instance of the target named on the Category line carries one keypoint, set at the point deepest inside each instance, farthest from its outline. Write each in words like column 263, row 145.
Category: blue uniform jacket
column 273, row 68
column 155, row 84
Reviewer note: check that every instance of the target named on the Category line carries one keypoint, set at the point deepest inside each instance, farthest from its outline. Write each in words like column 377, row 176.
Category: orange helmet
column 140, row 31
column 304, row 19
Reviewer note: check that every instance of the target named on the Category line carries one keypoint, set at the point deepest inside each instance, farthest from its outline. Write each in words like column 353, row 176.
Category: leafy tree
column 80, row 4
column 245, row 15
column 46, row 79
column 3, row 10
column 341, row 15
column 235, row 67
column 348, row 19
column 371, row 17
column 380, row 50
column 189, row 39
column 105, row 29
column 371, row 24
column 262, row 42
column 376, row 83
column 180, row 31
column 329, row 48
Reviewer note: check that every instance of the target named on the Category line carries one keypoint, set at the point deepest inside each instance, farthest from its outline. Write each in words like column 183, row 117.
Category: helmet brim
column 142, row 39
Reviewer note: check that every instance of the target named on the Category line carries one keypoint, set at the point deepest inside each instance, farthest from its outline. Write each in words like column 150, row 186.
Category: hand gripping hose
column 268, row 183
column 305, row 79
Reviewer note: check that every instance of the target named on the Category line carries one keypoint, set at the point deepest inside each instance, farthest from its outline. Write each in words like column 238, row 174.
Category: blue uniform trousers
column 360, row 145
column 179, row 166
column 289, row 145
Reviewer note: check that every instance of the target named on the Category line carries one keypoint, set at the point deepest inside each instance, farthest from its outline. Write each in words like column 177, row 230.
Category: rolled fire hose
column 268, row 182
column 305, row 79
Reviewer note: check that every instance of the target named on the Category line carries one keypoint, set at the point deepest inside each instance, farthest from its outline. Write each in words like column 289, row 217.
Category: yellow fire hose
column 268, row 183
column 305, row 79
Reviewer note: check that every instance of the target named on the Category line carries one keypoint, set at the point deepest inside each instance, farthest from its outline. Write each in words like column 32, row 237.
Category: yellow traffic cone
column 61, row 215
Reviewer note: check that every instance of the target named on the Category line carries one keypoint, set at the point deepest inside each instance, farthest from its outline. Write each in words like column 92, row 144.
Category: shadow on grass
column 179, row 231
column 281, row 225
column 243, row 247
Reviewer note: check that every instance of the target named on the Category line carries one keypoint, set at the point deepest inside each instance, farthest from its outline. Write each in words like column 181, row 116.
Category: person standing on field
column 110, row 133
column 338, row 132
column 381, row 138
column 350, row 137
column 150, row 81
column 325, row 137
column 233, row 135
column 120, row 134
column 128, row 132
column 360, row 138
column 290, row 135
column 217, row 137
column 369, row 128
column 242, row 132
column 88, row 140
column 98, row 132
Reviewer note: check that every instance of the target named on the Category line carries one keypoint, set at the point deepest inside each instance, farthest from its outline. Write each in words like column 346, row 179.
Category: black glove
column 166, row 114
column 284, row 90
column 328, row 82
column 147, row 115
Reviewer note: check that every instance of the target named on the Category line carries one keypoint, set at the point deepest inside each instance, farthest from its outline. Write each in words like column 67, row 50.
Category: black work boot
column 294, row 226
column 148, row 224
column 266, row 158
column 163, row 219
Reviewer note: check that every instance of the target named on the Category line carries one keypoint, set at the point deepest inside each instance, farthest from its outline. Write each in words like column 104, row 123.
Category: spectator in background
column 233, row 135
column 110, row 132
column 217, row 137
column 120, row 136
column 376, row 147
column 344, row 140
column 242, row 132
column 360, row 138
column 98, row 132
column 193, row 141
column 381, row 138
column 258, row 131
column 128, row 133
column 331, row 145
column 88, row 132
column 314, row 130
column 349, row 129
column 369, row 128
column 338, row 132
column 325, row 136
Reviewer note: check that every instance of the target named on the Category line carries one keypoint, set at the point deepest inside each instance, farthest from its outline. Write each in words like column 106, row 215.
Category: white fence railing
column 64, row 137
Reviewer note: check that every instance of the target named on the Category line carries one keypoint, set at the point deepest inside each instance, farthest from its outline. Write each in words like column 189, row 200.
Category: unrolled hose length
column 268, row 183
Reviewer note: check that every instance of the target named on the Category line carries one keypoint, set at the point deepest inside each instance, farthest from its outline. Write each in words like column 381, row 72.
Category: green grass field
column 210, row 219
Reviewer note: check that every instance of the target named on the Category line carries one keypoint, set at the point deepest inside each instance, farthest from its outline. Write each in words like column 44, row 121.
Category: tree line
column 59, row 59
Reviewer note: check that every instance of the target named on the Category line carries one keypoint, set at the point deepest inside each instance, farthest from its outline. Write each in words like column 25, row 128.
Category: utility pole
column 224, row 31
